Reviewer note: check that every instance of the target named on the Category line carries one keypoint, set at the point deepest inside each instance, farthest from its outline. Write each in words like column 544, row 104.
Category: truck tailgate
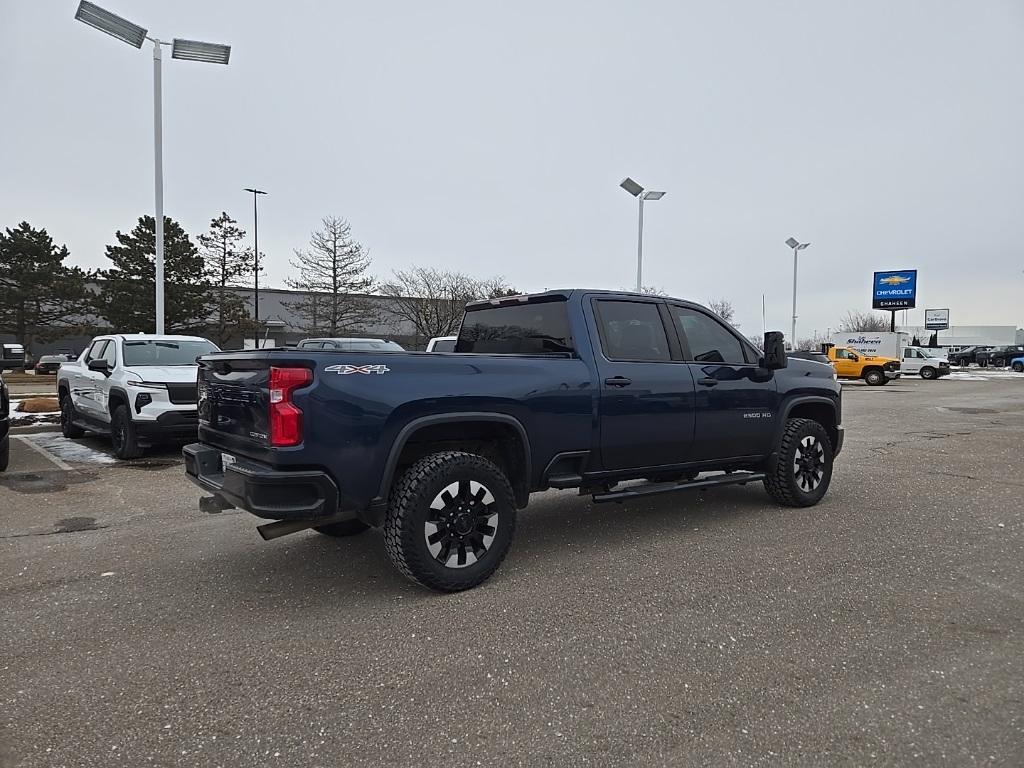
column 233, row 400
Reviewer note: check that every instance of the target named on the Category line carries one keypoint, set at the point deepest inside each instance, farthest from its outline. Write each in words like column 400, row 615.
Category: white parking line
column 61, row 464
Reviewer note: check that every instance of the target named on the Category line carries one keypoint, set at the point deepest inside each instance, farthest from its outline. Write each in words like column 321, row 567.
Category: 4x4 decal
column 345, row 370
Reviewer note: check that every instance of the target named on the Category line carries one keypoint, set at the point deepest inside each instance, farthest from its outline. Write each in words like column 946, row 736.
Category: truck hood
column 165, row 374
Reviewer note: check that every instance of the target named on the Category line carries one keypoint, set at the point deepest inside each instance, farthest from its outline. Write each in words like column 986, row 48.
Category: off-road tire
column 68, row 428
column 874, row 378
column 344, row 528
column 1018, row 367
column 409, row 511
column 927, row 372
column 5, row 453
column 122, row 434
column 999, row 363
column 781, row 482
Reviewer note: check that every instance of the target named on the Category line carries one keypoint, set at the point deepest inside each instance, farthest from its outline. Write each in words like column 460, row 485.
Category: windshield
column 165, row 352
column 371, row 345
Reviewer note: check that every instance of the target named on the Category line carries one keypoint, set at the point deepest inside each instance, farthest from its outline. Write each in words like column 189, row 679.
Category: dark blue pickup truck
column 619, row 395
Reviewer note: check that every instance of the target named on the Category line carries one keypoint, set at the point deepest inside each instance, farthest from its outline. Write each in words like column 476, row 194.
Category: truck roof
column 565, row 293
column 148, row 337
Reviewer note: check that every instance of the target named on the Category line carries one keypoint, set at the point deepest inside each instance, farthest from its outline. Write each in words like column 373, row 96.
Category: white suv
column 138, row 388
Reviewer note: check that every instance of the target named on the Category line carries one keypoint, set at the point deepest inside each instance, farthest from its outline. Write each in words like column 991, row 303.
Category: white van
column 917, row 361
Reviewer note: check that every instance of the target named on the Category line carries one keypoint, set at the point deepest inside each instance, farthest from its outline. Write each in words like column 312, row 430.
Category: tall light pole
column 641, row 195
column 187, row 50
column 256, row 264
column 797, row 247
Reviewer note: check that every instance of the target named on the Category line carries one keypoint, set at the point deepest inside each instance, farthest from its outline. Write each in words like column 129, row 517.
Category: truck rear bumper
column 259, row 489
column 840, row 437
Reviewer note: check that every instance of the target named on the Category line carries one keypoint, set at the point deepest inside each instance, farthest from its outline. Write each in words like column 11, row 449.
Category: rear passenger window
column 529, row 328
column 632, row 330
column 709, row 340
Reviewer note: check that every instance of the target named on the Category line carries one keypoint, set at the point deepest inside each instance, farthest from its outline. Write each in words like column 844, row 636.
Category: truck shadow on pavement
column 557, row 534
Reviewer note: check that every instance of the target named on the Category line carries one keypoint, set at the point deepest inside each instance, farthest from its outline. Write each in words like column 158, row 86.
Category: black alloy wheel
column 450, row 520
column 461, row 525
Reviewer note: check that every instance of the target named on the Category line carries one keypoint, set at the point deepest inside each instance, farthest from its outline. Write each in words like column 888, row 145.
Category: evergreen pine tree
column 40, row 296
column 128, row 296
column 227, row 264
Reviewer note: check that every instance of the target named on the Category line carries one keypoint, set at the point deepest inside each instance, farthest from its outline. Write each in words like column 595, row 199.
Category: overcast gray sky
column 490, row 137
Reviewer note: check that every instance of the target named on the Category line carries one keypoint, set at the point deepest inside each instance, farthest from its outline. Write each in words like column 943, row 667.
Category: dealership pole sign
column 895, row 290
column 936, row 319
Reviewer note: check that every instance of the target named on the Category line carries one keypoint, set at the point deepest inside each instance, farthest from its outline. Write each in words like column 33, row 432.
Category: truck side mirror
column 774, row 351
column 99, row 365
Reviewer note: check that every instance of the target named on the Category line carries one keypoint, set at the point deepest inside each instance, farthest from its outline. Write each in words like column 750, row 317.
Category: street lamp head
column 631, row 186
column 802, row 246
column 792, row 242
column 652, row 195
column 194, row 50
column 112, row 24
column 255, row 191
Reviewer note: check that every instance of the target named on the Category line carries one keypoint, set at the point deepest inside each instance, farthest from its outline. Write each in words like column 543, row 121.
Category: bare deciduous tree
column 808, row 345
column 433, row 300
column 333, row 271
column 724, row 309
column 653, row 290
column 864, row 321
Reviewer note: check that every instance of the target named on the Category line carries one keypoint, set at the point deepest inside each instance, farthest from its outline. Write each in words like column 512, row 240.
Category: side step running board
column 654, row 489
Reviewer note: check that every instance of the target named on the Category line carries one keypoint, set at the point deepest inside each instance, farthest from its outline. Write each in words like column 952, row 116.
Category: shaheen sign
column 895, row 290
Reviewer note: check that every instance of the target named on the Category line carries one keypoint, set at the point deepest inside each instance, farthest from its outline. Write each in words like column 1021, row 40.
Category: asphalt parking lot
column 885, row 626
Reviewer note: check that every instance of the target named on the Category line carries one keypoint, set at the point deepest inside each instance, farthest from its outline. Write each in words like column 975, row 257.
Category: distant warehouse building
column 957, row 337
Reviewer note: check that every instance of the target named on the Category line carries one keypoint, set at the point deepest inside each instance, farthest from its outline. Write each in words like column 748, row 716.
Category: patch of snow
column 70, row 450
column 964, row 377
column 44, row 416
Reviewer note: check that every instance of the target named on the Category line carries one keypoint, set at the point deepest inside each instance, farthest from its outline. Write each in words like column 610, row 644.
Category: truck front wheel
column 803, row 470
column 450, row 521
column 927, row 372
column 122, row 434
column 874, row 377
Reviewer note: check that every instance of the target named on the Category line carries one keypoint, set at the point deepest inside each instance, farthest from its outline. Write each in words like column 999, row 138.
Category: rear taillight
column 285, row 417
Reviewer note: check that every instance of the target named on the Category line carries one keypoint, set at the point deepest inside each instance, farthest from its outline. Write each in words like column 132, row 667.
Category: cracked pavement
column 884, row 627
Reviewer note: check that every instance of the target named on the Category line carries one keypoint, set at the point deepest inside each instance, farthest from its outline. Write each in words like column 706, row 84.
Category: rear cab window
column 632, row 331
column 520, row 328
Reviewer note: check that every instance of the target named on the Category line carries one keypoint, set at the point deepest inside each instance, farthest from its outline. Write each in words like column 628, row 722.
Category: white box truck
column 914, row 361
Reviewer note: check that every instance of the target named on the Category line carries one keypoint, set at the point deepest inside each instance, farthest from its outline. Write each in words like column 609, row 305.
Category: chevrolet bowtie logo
column 894, row 280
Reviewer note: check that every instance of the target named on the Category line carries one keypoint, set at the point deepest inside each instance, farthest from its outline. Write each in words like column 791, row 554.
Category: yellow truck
column 852, row 364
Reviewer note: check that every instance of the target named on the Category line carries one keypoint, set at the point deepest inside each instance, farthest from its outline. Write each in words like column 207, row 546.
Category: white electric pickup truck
column 138, row 388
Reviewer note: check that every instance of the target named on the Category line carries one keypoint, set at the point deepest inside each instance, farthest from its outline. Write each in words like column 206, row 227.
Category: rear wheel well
column 823, row 413
column 496, row 441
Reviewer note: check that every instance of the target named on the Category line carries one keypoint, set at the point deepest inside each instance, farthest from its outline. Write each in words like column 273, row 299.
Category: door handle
column 618, row 381
column 707, row 381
